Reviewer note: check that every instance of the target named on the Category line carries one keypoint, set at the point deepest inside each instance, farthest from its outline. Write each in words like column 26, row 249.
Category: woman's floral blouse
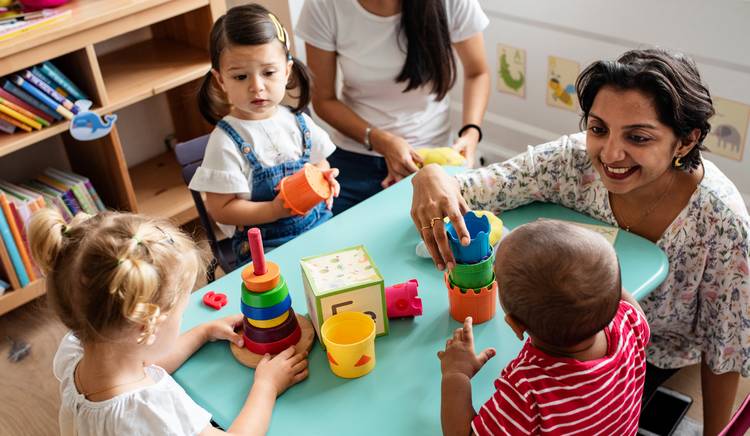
column 703, row 306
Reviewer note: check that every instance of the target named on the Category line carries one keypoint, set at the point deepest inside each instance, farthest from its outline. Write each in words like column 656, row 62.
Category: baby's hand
column 279, row 210
column 283, row 370
column 224, row 329
column 331, row 175
column 459, row 356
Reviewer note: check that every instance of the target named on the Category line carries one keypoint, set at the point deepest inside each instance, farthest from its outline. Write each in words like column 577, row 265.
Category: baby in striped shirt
column 581, row 369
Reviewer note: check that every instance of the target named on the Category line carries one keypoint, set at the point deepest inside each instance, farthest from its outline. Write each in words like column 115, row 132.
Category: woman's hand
column 400, row 157
column 330, row 175
column 283, row 370
column 467, row 146
column 437, row 195
column 224, row 329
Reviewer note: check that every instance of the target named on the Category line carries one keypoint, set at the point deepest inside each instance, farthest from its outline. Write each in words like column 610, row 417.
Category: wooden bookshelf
column 172, row 62
column 160, row 190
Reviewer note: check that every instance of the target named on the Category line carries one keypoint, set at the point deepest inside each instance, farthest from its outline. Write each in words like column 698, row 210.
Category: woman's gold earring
column 677, row 163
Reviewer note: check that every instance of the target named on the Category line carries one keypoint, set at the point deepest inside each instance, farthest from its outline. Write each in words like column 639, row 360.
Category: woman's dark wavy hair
column 246, row 25
column 682, row 101
column 429, row 55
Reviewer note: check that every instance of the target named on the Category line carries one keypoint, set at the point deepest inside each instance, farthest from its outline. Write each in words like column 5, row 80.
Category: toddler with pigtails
column 257, row 141
column 121, row 282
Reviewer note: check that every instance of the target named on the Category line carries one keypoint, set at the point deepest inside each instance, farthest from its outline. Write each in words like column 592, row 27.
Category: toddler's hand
column 224, row 329
column 459, row 356
column 330, row 175
column 468, row 149
column 279, row 210
column 283, row 370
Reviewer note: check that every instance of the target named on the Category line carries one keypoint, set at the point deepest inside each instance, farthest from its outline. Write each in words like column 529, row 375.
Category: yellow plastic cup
column 349, row 338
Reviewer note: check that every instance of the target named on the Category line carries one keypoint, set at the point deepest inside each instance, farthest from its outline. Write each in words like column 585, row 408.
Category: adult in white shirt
column 397, row 65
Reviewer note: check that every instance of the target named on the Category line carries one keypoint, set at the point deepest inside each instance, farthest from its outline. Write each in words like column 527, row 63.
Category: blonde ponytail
column 46, row 230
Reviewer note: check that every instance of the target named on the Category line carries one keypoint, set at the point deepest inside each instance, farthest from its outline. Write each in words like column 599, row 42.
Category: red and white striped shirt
column 541, row 394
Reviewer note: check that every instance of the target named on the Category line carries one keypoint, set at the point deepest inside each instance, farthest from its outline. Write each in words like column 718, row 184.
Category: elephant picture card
column 561, row 79
column 729, row 125
column 511, row 72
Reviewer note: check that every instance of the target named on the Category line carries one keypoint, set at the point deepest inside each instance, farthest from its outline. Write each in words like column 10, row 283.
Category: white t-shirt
column 225, row 170
column 371, row 58
column 163, row 408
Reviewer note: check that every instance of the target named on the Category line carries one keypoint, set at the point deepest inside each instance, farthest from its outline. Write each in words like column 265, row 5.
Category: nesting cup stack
column 270, row 324
column 472, row 289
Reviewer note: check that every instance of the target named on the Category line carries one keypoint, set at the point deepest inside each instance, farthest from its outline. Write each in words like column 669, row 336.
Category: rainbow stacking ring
column 266, row 299
column 273, row 347
column 266, row 313
column 267, row 324
column 272, row 334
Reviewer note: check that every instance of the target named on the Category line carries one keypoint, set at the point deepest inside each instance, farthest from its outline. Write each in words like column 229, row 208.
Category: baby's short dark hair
column 560, row 280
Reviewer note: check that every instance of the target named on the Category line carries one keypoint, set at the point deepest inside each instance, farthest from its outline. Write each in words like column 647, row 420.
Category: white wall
column 715, row 34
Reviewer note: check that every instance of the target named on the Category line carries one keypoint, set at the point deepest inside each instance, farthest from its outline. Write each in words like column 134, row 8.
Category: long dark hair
column 429, row 55
column 246, row 25
column 671, row 79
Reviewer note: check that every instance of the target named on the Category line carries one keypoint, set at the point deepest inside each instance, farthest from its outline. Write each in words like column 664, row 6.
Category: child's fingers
column 299, row 366
column 299, row 357
column 441, row 354
column 448, row 343
column 300, row 376
column 286, row 354
column 458, row 334
column 486, row 355
column 468, row 330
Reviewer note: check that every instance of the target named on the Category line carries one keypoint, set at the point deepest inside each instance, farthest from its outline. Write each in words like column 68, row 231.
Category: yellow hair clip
column 280, row 33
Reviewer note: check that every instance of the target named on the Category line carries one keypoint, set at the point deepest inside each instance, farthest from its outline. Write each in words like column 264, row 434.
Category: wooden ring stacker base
column 251, row 360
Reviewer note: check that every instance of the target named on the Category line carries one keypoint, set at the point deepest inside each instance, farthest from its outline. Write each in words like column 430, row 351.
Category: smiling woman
column 637, row 166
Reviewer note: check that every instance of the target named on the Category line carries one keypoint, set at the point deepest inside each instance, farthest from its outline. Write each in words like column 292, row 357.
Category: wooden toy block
column 343, row 281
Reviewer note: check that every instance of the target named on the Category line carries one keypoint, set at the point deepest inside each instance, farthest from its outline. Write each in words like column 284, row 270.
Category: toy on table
column 344, row 281
column 269, row 324
column 441, row 156
column 304, row 189
column 215, row 300
column 472, row 289
column 349, row 338
column 402, row 300
column 497, row 230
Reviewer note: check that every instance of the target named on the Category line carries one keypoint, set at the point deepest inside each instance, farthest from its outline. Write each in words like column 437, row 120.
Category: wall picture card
column 511, row 73
column 729, row 125
column 561, row 79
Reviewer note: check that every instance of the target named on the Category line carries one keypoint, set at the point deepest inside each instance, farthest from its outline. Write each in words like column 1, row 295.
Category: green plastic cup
column 474, row 275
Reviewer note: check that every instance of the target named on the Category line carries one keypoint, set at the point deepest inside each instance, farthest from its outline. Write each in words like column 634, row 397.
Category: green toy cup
column 474, row 275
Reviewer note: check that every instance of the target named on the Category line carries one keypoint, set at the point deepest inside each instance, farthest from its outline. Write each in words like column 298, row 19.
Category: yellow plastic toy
column 441, row 156
column 349, row 338
column 496, row 225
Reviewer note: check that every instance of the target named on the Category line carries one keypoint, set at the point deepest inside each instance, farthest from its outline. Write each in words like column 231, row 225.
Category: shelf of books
column 47, row 67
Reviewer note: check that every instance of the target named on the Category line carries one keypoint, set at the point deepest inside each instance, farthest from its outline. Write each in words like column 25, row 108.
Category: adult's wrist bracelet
column 471, row 126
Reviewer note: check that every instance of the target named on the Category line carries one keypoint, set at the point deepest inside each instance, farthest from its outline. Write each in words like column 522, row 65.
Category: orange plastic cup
column 304, row 189
column 480, row 304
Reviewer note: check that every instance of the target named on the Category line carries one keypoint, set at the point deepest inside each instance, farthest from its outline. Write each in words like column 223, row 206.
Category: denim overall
column 264, row 183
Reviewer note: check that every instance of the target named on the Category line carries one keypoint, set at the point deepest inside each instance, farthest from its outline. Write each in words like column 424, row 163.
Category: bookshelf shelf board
column 17, row 297
column 148, row 68
column 160, row 191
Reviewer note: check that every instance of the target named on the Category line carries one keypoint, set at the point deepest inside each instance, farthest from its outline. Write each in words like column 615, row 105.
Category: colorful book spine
column 89, row 187
column 14, row 230
column 39, row 116
column 31, row 100
column 6, row 267
column 19, row 116
column 67, row 194
column 51, row 199
column 78, row 188
column 37, row 72
column 44, row 98
column 61, row 79
column 10, row 244
column 54, row 95
column 15, row 122
column 23, row 111
column 21, row 220
column 7, row 127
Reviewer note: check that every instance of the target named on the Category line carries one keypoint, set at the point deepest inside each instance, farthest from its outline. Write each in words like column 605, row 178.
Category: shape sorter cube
column 343, row 281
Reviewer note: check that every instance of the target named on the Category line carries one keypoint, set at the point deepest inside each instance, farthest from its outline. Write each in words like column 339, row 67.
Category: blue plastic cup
column 479, row 232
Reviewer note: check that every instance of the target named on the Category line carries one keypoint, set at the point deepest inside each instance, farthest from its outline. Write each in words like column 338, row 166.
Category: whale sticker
column 87, row 125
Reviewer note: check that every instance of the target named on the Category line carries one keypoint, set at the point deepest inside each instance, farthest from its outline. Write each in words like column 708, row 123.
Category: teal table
column 401, row 396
